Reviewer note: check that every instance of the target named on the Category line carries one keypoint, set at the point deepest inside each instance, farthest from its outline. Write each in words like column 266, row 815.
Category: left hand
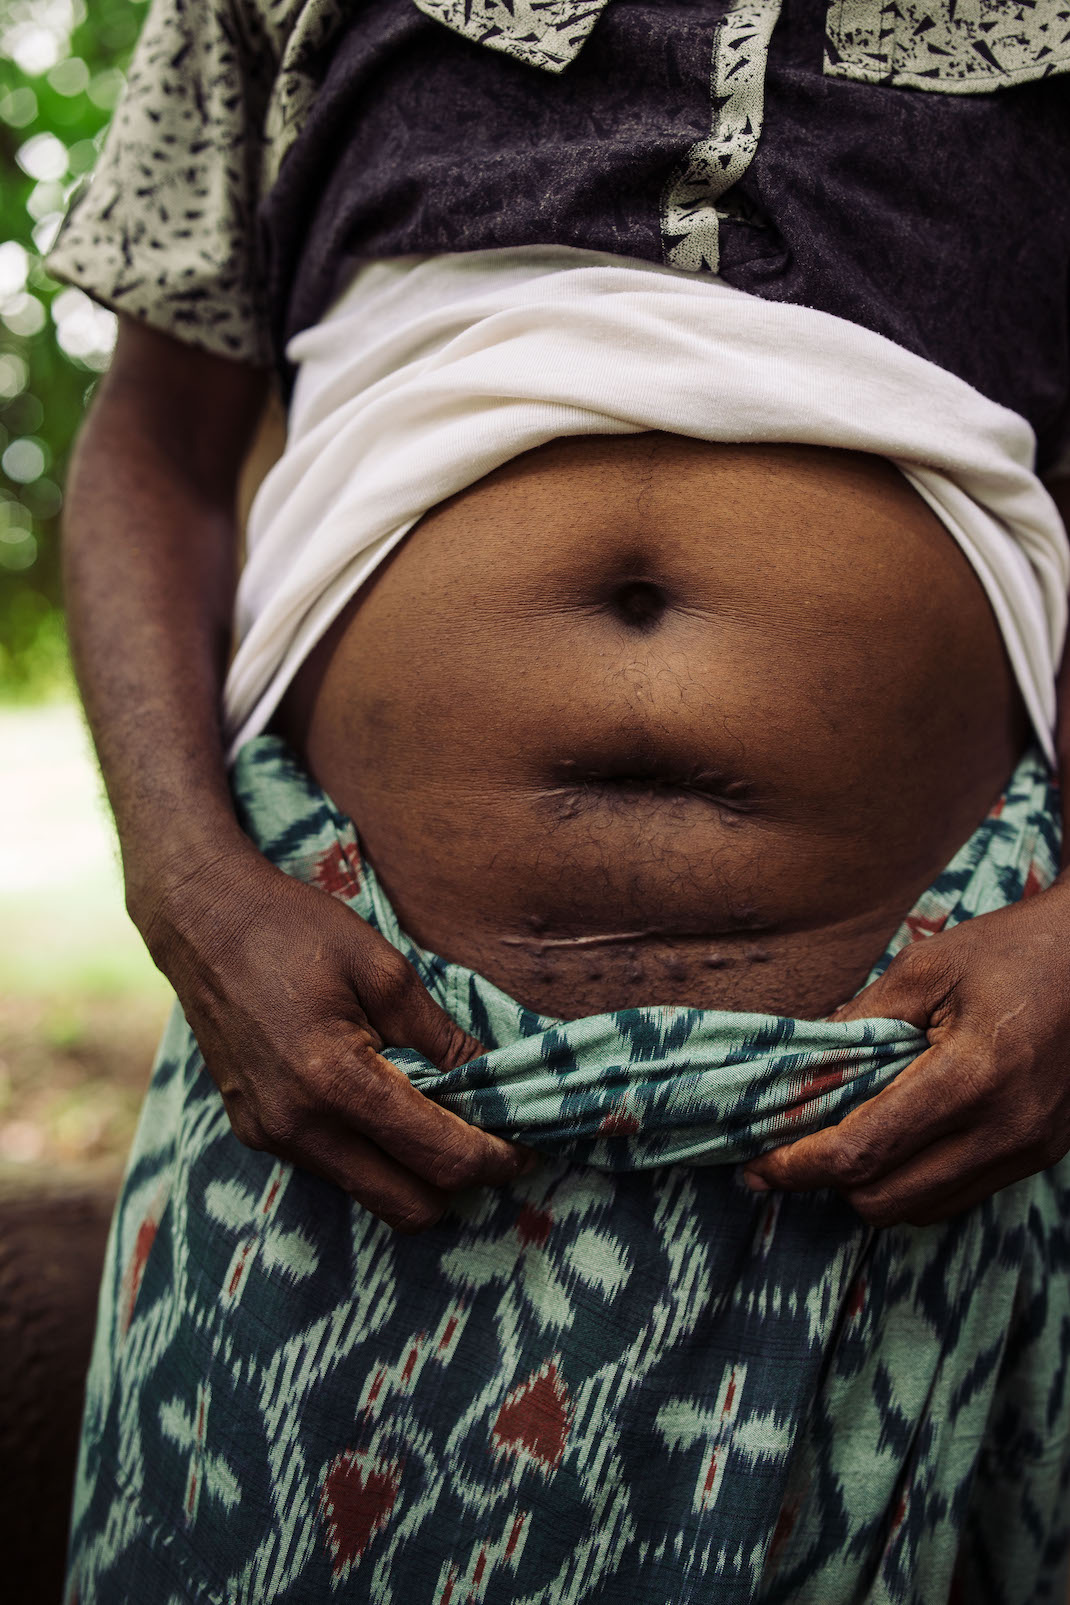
column 986, row 1104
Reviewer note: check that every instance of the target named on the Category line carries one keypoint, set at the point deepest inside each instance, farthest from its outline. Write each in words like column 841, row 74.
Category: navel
column 639, row 603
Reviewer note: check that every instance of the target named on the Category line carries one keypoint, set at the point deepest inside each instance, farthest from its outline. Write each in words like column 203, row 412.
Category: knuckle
column 247, row 1130
column 879, row 1210
column 776, row 1170
column 244, row 1122
column 332, row 1076
column 853, row 1164
column 912, row 963
column 411, row 1216
column 455, row 1166
column 281, row 1126
column 458, row 1047
column 393, row 982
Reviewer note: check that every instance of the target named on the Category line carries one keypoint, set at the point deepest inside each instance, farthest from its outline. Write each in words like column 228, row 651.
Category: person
column 606, row 583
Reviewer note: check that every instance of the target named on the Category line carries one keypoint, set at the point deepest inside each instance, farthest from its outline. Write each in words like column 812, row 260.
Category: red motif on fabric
column 620, row 1123
column 146, row 1236
column 239, row 1270
column 856, row 1298
column 135, row 1270
column 921, row 925
column 533, row 1225
column 447, row 1592
column 785, row 1522
column 356, row 1502
column 447, row 1336
column 770, row 1216
column 1033, row 883
column 338, row 872
column 820, row 1078
column 534, row 1420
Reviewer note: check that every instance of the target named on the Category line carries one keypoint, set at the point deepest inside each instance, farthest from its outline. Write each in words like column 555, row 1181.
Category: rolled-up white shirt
column 430, row 372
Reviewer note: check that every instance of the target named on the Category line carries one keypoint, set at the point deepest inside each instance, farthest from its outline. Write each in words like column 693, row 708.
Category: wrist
column 172, row 884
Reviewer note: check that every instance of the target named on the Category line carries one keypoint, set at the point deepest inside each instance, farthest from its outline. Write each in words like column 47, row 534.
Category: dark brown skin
column 291, row 996
column 989, row 1103
column 649, row 720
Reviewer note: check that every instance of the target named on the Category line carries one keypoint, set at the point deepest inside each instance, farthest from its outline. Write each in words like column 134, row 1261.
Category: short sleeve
column 165, row 231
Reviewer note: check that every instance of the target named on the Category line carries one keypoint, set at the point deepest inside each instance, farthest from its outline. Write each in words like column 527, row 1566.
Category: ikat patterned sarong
column 623, row 1380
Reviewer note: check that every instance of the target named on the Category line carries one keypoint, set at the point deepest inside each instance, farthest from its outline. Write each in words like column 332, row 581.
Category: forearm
column 150, row 557
column 289, row 993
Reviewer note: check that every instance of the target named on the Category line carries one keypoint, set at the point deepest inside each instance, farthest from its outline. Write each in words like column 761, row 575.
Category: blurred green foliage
column 61, row 72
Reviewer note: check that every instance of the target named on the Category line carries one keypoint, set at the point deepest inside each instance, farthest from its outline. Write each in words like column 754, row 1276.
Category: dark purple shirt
column 940, row 220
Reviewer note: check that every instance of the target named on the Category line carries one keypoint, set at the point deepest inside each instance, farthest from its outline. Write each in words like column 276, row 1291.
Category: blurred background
column 80, row 1003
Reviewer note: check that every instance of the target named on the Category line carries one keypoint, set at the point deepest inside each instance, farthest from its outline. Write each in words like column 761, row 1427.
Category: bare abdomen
column 648, row 720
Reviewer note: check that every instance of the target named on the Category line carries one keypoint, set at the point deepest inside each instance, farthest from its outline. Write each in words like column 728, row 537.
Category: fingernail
column 755, row 1182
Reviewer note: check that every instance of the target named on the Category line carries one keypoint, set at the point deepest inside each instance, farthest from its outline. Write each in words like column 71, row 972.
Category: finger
column 926, row 1101
column 946, row 1207
column 378, row 1100
column 912, row 988
column 950, row 1177
column 404, row 1201
column 400, row 1007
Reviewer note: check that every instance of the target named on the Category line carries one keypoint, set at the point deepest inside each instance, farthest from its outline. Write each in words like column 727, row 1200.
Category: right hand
column 291, row 996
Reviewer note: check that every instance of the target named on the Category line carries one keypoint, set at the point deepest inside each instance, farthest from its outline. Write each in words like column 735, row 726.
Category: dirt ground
column 72, row 1076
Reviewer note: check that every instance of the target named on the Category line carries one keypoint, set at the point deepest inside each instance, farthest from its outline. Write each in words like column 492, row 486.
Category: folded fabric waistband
column 649, row 1086
column 661, row 1086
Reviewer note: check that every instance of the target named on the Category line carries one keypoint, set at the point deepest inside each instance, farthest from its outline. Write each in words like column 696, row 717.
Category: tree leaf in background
column 61, row 73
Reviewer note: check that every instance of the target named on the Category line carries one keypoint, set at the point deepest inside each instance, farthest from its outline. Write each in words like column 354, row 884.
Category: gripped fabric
column 621, row 1379
column 845, row 154
column 430, row 372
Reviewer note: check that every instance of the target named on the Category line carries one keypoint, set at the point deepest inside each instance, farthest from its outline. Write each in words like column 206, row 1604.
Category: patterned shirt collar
column 541, row 33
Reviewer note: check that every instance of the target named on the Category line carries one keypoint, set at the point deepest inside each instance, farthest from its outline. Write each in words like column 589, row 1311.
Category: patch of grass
column 63, row 1028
